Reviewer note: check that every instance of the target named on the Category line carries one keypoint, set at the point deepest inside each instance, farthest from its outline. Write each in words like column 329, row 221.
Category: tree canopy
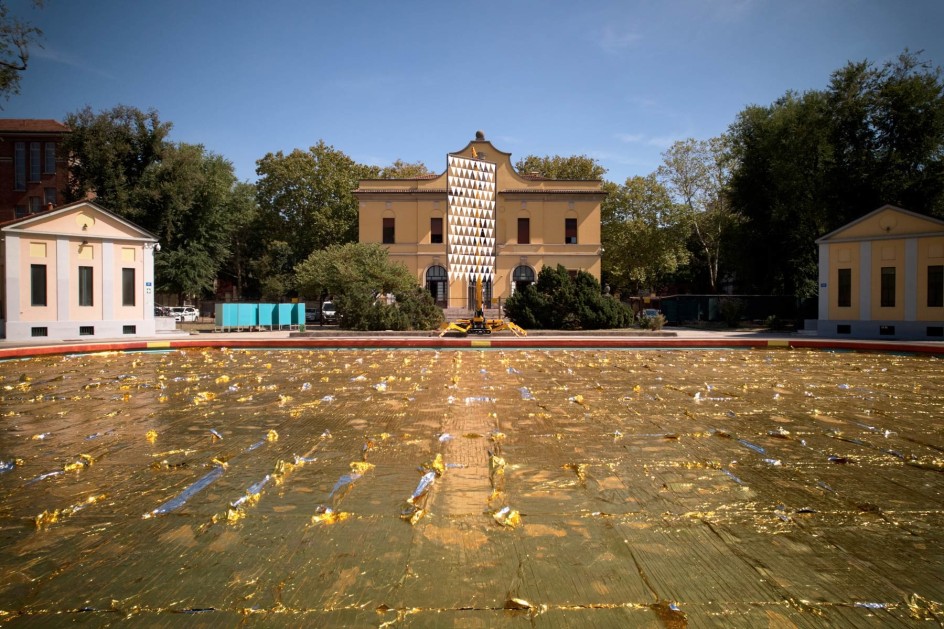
column 187, row 200
column 306, row 197
column 404, row 170
column 643, row 233
column 558, row 167
column 561, row 302
column 697, row 173
column 16, row 37
column 112, row 150
column 183, row 194
column 886, row 130
column 355, row 275
column 809, row 163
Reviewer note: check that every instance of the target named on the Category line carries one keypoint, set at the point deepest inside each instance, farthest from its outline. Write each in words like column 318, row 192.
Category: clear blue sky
column 380, row 80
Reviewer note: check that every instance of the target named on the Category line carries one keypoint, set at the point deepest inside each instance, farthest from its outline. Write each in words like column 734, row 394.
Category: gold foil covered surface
column 565, row 487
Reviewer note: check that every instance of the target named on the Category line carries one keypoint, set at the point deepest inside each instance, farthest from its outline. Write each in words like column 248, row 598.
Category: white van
column 329, row 313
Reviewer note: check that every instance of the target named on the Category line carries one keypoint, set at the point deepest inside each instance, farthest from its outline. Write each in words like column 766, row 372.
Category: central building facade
column 481, row 218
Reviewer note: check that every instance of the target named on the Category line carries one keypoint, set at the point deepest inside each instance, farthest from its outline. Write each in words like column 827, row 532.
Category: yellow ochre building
column 481, row 217
column 882, row 276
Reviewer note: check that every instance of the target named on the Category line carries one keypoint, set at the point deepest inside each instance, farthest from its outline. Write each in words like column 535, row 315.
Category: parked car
column 312, row 315
column 649, row 313
column 329, row 313
column 183, row 313
column 161, row 311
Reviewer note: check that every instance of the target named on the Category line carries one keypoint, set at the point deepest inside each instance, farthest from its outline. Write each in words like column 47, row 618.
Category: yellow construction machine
column 478, row 324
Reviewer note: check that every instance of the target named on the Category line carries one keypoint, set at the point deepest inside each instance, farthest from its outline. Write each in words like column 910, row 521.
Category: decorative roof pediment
column 507, row 178
column 85, row 219
column 887, row 221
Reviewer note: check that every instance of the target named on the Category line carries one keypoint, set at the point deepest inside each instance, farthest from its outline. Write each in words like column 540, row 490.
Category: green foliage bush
column 732, row 310
column 652, row 323
column 355, row 274
column 413, row 310
column 559, row 302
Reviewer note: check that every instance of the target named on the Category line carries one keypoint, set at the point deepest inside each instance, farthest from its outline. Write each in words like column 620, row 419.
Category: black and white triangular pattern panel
column 471, row 218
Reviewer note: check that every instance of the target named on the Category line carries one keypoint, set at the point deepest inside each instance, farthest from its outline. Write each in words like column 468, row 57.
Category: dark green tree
column 245, row 242
column 812, row 162
column 579, row 167
column 272, row 268
column 558, row 301
column 644, row 235
column 16, row 37
column 111, row 151
column 887, row 133
column 783, row 154
column 359, row 277
column 187, row 200
column 697, row 173
column 306, row 198
column 404, row 170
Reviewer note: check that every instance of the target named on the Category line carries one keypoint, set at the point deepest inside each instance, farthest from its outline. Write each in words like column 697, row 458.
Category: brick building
column 33, row 166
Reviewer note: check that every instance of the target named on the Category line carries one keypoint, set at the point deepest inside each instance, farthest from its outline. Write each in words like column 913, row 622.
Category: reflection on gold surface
column 608, row 488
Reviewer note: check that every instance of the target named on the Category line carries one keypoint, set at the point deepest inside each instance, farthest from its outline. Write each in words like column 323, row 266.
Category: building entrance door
column 522, row 277
column 438, row 285
column 486, row 294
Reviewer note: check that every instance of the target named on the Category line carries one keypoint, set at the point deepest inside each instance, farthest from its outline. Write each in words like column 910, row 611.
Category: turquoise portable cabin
column 285, row 315
column 268, row 315
column 225, row 316
column 237, row 315
column 248, row 315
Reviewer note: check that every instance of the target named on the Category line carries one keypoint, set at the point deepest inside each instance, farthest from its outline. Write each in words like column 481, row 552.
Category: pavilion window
column 844, row 288
column 85, row 286
column 936, row 286
column 38, row 285
column 888, row 287
column 127, row 287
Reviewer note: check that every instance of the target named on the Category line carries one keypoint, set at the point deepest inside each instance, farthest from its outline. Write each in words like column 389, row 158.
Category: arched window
column 437, row 283
column 522, row 276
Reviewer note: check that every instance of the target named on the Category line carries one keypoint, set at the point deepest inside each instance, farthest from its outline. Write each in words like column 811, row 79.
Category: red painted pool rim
column 412, row 342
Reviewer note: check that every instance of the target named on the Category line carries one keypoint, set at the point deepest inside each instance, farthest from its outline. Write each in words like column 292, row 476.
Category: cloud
column 504, row 140
column 53, row 55
column 630, row 138
column 731, row 10
column 614, row 40
column 642, row 102
column 663, row 141
column 621, row 158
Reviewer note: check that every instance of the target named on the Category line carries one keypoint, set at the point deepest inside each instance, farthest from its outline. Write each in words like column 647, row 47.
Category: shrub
column 413, row 310
column 419, row 309
column 732, row 310
column 559, row 302
column 652, row 323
